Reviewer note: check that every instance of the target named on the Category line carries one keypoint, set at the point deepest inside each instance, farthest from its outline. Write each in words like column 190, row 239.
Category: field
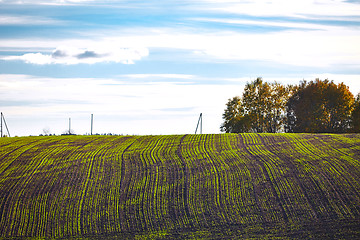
column 246, row 186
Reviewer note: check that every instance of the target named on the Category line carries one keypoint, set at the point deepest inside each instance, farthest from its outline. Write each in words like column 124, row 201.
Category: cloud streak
column 316, row 46
column 71, row 55
column 27, row 20
column 286, row 8
column 47, row 2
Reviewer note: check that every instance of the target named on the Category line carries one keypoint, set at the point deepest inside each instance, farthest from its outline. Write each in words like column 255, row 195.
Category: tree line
column 319, row 106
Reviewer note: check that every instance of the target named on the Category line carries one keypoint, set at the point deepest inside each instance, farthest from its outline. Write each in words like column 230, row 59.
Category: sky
column 151, row 67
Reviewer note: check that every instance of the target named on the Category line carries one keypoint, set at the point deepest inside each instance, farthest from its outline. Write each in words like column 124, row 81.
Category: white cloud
column 167, row 76
column 36, row 58
column 48, row 2
column 71, row 55
column 27, row 20
column 268, row 23
column 328, row 46
column 335, row 45
column 316, row 49
column 296, row 8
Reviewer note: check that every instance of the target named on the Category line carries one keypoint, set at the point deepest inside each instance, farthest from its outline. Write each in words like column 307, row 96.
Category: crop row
column 84, row 185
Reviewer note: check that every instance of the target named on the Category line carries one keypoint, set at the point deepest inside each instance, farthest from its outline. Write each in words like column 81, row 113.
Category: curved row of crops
column 195, row 186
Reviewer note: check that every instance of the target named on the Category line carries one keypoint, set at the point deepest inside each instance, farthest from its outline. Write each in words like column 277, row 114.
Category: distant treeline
column 319, row 106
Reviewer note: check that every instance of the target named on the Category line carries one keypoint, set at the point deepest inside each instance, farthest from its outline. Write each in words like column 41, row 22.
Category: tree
column 320, row 106
column 255, row 105
column 233, row 116
column 355, row 115
column 261, row 108
column 264, row 104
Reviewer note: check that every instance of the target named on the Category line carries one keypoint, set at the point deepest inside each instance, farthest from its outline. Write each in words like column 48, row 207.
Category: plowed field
column 254, row 186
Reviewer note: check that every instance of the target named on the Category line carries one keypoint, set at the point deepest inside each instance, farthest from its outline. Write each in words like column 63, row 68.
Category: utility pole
column 92, row 120
column 69, row 126
column 1, row 125
column 199, row 121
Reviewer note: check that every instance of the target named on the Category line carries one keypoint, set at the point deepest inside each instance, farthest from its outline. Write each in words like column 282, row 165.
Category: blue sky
column 151, row 67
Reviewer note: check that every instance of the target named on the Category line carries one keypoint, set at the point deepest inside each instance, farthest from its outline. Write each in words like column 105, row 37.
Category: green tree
column 355, row 115
column 265, row 105
column 320, row 106
column 254, row 103
column 261, row 108
column 233, row 117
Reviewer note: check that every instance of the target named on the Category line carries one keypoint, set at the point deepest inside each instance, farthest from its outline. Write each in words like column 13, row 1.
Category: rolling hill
column 209, row 186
